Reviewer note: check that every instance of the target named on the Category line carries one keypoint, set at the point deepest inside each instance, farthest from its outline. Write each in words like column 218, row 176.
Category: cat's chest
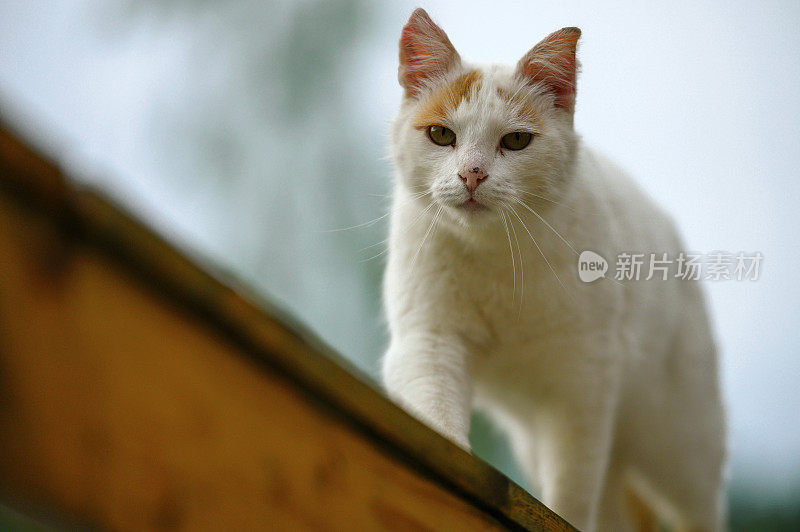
column 506, row 303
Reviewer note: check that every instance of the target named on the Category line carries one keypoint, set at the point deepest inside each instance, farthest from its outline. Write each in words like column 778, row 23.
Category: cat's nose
column 472, row 177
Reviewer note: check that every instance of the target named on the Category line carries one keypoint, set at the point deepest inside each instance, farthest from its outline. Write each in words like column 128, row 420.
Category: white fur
column 600, row 387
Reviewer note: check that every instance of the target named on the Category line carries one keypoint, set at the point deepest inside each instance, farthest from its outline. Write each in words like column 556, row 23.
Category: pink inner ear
column 425, row 51
column 552, row 62
column 413, row 56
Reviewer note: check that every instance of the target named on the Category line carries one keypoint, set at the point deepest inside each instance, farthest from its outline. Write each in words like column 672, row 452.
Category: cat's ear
column 552, row 63
column 425, row 52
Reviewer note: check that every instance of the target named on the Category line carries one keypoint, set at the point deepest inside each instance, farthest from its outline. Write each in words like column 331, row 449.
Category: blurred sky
column 699, row 101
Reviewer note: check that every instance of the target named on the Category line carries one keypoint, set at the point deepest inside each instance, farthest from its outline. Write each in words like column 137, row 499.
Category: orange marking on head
column 446, row 99
column 524, row 109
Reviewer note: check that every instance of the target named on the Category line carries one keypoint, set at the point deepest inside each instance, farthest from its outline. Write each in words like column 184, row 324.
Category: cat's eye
column 516, row 140
column 441, row 135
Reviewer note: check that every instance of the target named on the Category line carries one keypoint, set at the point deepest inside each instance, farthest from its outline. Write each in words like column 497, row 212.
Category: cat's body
column 605, row 389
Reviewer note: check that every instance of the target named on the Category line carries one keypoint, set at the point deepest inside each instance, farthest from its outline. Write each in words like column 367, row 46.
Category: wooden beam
column 139, row 392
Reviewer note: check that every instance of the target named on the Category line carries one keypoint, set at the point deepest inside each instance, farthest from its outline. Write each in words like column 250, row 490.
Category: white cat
column 607, row 389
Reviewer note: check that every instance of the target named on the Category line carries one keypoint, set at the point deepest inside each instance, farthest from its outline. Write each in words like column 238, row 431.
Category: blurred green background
column 253, row 134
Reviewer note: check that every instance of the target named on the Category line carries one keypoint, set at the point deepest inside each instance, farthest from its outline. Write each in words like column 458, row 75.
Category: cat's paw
column 455, row 434
column 444, row 425
column 463, row 443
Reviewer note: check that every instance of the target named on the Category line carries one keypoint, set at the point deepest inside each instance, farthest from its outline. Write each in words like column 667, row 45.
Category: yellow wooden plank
column 139, row 392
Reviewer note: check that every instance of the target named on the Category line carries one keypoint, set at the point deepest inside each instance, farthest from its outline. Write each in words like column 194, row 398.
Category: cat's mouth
column 473, row 205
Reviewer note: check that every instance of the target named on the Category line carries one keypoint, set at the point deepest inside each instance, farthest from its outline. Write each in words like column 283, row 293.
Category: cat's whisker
column 418, row 191
column 365, row 224
column 371, row 222
column 428, row 232
column 420, row 194
column 418, row 217
column 545, row 199
column 415, row 196
column 374, row 256
column 541, row 252
column 582, row 213
column 373, row 245
column 513, row 262
column 410, row 225
column 548, row 225
column 521, row 268
column 557, row 233
column 421, row 214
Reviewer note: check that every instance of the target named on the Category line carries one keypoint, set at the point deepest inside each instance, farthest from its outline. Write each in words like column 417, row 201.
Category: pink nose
column 474, row 177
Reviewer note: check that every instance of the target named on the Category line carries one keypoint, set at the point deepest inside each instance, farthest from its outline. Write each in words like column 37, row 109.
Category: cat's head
column 478, row 140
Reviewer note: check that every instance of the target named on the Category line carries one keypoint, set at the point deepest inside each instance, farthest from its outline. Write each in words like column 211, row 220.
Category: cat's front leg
column 574, row 447
column 428, row 375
